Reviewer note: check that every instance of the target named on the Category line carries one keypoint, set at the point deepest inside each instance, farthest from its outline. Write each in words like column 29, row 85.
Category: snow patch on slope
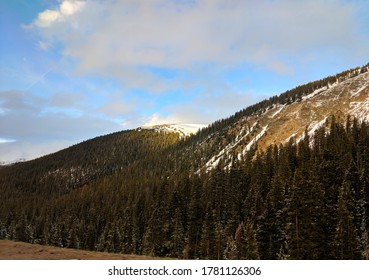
column 289, row 138
column 253, row 141
column 314, row 93
column 360, row 110
column 360, row 83
column 277, row 112
column 214, row 161
column 184, row 129
column 358, row 91
column 316, row 125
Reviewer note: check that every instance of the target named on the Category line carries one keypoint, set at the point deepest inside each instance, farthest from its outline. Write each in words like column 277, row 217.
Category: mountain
column 308, row 108
column 286, row 178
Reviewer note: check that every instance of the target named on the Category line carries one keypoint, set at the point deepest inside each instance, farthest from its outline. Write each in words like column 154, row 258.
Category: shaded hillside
column 80, row 164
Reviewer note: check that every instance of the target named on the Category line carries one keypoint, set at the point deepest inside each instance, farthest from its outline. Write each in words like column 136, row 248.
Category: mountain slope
column 71, row 168
column 347, row 94
column 341, row 99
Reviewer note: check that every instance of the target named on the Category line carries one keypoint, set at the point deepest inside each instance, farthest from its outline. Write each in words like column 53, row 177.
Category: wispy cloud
column 2, row 140
column 30, row 126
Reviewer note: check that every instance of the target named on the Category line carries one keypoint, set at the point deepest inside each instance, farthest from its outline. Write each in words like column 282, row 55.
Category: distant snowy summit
column 7, row 163
column 184, row 129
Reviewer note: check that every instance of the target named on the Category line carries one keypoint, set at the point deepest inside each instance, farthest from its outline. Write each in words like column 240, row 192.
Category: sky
column 71, row 70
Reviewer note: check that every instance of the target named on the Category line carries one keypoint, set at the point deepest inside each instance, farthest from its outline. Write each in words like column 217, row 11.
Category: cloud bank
column 123, row 38
column 101, row 66
column 164, row 46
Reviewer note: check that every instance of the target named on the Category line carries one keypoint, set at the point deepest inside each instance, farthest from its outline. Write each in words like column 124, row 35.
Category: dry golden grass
column 11, row 250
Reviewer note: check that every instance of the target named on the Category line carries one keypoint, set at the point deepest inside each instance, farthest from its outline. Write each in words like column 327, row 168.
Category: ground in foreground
column 11, row 250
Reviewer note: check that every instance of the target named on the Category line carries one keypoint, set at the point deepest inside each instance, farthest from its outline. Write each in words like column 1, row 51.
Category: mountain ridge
column 272, row 121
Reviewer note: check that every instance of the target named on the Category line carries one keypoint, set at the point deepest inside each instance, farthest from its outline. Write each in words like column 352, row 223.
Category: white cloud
column 117, row 38
column 67, row 8
column 47, row 17
column 156, row 119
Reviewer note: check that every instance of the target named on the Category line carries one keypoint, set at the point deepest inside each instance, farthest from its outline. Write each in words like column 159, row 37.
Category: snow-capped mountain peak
column 184, row 129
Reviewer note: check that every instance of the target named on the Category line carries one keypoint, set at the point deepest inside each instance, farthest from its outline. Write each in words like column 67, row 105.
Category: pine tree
column 246, row 242
column 208, row 242
column 195, row 218
column 347, row 240
column 231, row 251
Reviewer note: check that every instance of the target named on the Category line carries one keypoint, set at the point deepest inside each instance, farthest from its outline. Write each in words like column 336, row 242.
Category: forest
column 301, row 200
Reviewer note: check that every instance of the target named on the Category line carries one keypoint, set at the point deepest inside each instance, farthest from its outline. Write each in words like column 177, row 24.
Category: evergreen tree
column 347, row 240
column 246, row 242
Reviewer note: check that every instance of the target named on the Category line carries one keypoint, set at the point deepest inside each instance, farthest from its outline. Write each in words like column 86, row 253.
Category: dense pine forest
column 305, row 200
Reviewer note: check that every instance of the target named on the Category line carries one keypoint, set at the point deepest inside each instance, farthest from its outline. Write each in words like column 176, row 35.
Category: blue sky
column 71, row 70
